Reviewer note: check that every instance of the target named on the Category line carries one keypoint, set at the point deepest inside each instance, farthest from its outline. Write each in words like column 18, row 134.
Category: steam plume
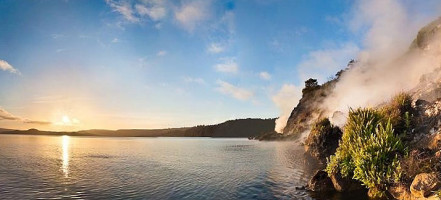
column 385, row 64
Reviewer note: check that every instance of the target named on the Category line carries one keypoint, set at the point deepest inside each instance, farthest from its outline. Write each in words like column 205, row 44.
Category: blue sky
column 159, row 63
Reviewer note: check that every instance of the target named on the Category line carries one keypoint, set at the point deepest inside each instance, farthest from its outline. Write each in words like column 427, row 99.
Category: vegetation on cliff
column 380, row 149
column 368, row 151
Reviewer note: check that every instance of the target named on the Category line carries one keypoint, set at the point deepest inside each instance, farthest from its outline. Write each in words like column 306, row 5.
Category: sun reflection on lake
column 65, row 155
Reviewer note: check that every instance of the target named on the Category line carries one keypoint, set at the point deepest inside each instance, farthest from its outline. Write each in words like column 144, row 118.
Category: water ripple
column 48, row 167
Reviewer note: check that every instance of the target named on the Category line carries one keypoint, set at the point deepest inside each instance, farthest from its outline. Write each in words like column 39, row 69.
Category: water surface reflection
column 65, row 155
column 69, row 167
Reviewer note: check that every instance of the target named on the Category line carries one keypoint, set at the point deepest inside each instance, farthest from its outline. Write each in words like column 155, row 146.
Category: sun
column 66, row 120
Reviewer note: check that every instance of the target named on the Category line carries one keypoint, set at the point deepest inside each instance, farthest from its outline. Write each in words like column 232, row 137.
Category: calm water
column 149, row 168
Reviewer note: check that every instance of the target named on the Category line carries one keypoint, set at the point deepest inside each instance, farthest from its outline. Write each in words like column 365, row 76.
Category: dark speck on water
column 63, row 167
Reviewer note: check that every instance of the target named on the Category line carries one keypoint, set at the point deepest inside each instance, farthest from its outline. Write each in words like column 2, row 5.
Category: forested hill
column 239, row 128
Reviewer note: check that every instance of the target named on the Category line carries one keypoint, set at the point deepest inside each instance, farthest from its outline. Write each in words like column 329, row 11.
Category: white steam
column 385, row 65
column 286, row 99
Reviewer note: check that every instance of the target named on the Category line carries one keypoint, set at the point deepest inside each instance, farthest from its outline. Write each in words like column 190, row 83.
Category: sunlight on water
column 53, row 167
column 65, row 155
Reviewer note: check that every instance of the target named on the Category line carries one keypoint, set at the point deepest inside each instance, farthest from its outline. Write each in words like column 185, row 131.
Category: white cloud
column 194, row 80
column 115, row 40
column 321, row 63
column 228, row 66
column 5, row 66
column 161, row 53
column 234, row 91
column 125, row 9
column 216, row 48
column 265, row 75
column 190, row 14
column 156, row 12
column 286, row 99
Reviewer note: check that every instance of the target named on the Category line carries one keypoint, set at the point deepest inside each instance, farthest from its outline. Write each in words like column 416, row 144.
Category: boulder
column 344, row 184
column 323, row 139
column 424, row 184
column 438, row 154
column 320, row 182
column 400, row 192
column 435, row 142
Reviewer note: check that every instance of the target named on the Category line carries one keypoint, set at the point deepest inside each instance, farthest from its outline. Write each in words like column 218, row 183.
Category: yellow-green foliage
column 400, row 112
column 368, row 150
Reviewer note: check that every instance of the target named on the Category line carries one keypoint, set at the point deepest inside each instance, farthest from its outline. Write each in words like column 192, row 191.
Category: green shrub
column 368, row 151
column 400, row 112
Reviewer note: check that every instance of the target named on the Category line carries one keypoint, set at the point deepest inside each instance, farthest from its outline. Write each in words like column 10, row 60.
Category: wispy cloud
column 265, row 75
column 228, row 66
column 56, row 36
column 156, row 11
column 216, row 48
column 125, row 9
column 5, row 115
column 190, row 14
column 60, row 50
column 234, row 91
column 115, row 40
column 194, row 80
column 140, row 11
column 161, row 53
column 26, row 121
column 5, row 66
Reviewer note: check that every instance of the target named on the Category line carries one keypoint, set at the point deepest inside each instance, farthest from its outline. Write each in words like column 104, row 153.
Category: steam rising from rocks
column 385, row 66
column 285, row 100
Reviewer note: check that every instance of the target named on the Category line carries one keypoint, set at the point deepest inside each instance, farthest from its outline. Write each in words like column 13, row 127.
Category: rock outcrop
column 323, row 140
column 424, row 185
column 308, row 109
column 400, row 191
column 345, row 184
column 320, row 182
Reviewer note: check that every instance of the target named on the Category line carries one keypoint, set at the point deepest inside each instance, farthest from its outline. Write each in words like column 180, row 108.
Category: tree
column 310, row 83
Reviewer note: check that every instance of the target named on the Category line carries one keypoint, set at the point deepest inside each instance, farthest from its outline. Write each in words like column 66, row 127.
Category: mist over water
column 150, row 168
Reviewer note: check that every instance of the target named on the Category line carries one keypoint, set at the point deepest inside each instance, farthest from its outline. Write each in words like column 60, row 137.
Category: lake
column 57, row 167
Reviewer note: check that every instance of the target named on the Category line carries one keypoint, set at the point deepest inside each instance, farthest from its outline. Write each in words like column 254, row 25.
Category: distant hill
column 5, row 130
column 239, row 128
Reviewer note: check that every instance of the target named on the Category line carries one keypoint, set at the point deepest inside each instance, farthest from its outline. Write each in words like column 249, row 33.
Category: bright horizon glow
column 110, row 64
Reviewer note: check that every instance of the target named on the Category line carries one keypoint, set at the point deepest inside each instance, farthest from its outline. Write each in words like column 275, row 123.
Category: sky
column 115, row 64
